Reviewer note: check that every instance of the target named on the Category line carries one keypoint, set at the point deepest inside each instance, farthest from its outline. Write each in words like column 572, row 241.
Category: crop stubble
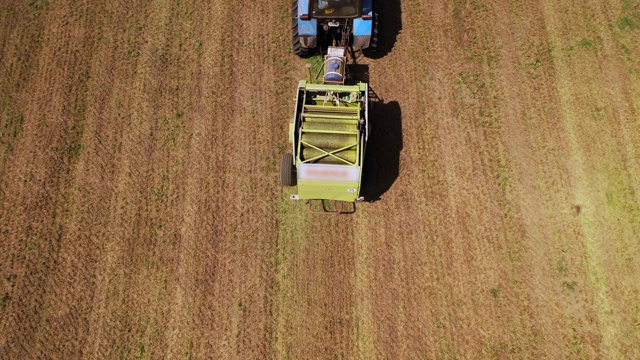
column 141, row 213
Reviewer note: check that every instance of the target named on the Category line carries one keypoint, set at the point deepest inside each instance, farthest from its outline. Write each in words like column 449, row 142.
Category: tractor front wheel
column 286, row 170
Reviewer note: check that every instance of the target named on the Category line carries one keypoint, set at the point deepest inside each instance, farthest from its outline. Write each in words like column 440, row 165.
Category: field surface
column 141, row 214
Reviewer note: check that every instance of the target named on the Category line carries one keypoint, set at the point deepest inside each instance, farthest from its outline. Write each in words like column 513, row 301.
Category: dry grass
column 141, row 216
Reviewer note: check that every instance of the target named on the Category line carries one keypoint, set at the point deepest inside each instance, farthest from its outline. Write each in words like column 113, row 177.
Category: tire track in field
column 396, row 243
column 184, row 41
column 166, row 89
column 155, row 294
column 21, row 36
column 196, row 330
column 101, row 173
column 242, row 82
column 66, row 304
column 445, row 251
column 135, row 270
column 591, row 89
column 38, row 178
column 314, row 308
column 469, row 238
column 539, row 188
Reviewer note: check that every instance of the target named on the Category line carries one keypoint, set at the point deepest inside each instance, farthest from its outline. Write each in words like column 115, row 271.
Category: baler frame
column 339, row 112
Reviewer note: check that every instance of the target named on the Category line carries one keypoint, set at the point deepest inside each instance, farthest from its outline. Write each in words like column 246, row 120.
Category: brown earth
column 141, row 213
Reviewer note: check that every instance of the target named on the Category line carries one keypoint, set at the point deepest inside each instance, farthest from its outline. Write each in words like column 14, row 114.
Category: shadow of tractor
column 389, row 26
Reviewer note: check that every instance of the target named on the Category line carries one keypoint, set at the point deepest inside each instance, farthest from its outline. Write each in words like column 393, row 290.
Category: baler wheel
column 286, row 170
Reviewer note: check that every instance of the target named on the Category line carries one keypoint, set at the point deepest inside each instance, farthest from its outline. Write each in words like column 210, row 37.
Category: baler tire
column 287, row 177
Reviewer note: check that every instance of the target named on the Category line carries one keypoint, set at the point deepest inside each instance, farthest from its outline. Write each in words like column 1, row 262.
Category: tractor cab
column 320, row 23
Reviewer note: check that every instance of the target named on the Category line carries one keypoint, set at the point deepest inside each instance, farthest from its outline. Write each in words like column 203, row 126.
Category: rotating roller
column 329, row 141
column 328, row 126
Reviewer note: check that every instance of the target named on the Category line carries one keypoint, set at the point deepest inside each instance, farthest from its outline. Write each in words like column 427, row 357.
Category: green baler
column 328, row 133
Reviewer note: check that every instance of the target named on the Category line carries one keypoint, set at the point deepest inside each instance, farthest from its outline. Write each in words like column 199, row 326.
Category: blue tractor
column 322, row 23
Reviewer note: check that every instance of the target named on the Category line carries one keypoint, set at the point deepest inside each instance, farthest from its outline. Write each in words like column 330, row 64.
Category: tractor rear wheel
column 286, row 170
column 298, row 49
column 372, row 49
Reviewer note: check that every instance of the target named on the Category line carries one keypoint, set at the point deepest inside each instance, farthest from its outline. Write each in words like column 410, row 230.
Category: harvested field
column 141, row 214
